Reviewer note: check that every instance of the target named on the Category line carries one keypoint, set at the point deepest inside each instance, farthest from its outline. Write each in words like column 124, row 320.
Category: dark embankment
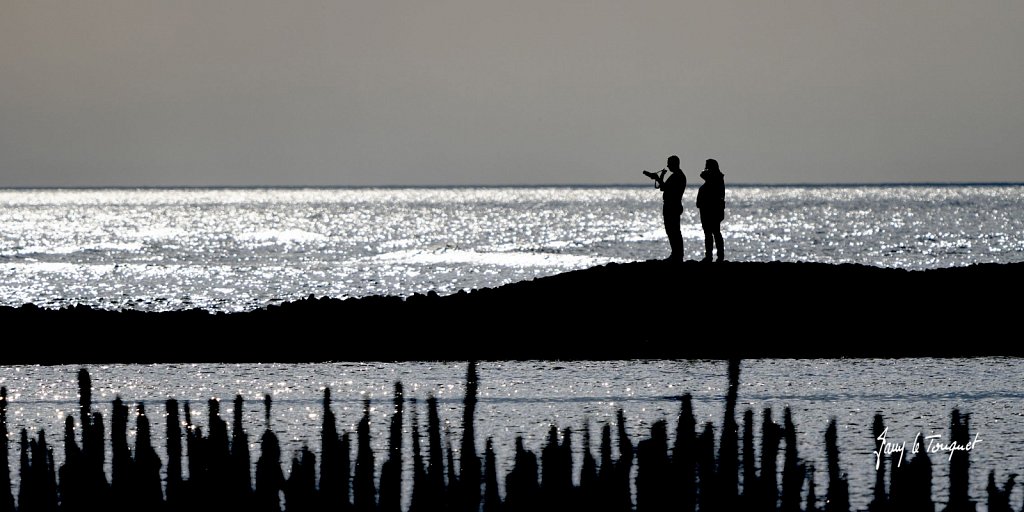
column 648, row 309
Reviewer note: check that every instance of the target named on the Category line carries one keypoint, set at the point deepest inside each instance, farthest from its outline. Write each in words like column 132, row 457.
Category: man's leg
column 675, row 236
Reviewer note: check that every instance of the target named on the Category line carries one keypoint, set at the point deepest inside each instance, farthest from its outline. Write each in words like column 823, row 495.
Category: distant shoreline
column 637, row 184
column 642, row 310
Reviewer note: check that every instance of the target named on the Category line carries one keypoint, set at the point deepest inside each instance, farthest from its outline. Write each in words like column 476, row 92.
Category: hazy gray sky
column 395, row 92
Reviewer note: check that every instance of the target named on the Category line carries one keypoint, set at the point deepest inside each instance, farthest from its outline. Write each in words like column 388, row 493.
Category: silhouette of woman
column 672, row 194
column 711, row 203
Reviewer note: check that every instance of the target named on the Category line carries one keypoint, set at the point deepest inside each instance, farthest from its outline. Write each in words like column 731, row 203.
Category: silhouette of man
column 672, row 194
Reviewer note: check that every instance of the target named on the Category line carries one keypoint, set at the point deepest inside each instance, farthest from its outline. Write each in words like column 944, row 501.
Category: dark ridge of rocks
column 651, row 309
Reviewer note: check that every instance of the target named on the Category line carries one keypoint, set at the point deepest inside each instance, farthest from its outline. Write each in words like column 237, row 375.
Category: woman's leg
column 718, row 241
column 709, row 239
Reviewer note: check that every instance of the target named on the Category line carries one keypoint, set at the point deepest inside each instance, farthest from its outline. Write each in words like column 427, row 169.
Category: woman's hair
column 712, row 164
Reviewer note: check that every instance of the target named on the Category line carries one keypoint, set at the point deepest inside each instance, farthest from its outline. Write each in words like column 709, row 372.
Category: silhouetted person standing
column 672, row 194
column 711, row 203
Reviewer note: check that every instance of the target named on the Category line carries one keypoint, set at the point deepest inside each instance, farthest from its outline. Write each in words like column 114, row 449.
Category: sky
column 494, row 92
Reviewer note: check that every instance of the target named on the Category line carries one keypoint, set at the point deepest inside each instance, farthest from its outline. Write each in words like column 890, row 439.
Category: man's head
column 673, row 163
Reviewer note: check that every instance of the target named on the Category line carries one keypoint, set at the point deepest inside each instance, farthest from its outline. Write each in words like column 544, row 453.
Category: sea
column 243, row 249
column 240, row 249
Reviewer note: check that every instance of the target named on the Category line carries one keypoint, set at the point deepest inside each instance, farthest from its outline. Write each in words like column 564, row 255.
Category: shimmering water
column 525, row 398
column 240, row 249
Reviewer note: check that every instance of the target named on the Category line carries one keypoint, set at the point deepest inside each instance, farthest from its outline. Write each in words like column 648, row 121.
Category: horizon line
column 496, row 186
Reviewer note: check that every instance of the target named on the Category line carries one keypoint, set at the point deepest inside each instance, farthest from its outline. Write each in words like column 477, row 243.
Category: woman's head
column 712, row 165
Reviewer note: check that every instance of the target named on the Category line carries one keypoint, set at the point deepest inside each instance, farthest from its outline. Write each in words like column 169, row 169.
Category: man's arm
column 658, row 178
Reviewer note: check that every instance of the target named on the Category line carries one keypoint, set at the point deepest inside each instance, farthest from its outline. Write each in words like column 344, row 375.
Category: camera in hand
column 653, row 175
